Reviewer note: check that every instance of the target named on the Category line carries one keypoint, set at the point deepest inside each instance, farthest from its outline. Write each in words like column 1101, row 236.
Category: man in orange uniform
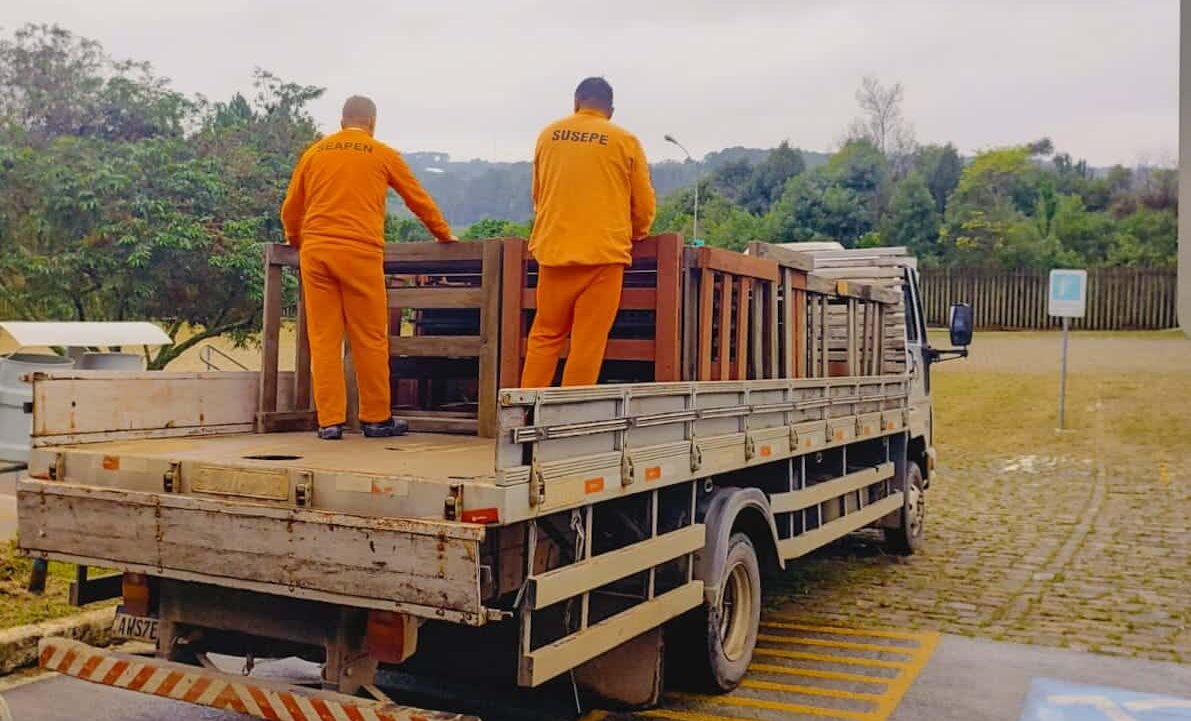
column 334, row 213
column 593, row 197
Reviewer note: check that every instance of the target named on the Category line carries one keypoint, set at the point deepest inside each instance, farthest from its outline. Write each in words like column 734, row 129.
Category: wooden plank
column 435, row 298
column 286, row 421
column 784, row 256
column 270, row 337
column 490, row 339
column 804, row 543
column 423, row 346
column 725, row 359
column 743, row 299
column 799, row 330
column 704, row 328
column 773, row 328
column 569, row 581
column 512, row 317
column 727, row 261
column 432, row 251
column 420, row 422
column 820, row 492
column 284, row 255
column 552, row 660
column 668, row 333
column 859, row 273
column 630, row 298
column 302, row 378
column 79, row 406
column 866, row 291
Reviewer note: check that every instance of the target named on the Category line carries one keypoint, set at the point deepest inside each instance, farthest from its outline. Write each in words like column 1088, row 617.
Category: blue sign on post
column 1068, row 293
column 1051, row 700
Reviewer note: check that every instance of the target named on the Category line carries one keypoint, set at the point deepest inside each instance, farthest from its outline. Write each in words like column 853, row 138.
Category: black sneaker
column 385, row 429
column 331, row 433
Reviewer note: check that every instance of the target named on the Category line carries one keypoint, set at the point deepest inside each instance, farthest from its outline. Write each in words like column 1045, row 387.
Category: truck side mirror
column 961, row 325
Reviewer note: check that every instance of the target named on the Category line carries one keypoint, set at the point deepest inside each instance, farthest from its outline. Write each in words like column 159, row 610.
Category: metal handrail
column 209, row 350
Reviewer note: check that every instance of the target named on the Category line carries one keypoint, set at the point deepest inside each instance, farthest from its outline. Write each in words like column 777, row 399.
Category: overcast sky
column 478, row 78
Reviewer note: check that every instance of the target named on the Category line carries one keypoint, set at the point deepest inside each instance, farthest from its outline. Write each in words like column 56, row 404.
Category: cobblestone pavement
column 1084, row 542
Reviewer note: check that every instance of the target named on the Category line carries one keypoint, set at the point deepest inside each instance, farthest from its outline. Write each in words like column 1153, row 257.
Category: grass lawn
column 19, row 607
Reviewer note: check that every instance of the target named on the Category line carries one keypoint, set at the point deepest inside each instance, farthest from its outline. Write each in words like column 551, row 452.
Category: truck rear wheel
column 909, row 536
column 715, row 643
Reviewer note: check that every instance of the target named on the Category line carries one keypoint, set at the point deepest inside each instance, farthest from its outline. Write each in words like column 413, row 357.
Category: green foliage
column 769, row 179
column 912, row 220
column 940, row 166
column 722, row 223
column 157, row 210
column 494, row 228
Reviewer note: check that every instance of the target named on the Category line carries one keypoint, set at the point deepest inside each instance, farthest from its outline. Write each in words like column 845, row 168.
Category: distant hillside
column 475, row 189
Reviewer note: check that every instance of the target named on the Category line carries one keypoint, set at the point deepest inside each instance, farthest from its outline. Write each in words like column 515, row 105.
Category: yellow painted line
column 676, row 715
column 816, row 673
column 811, row 690
column 595, row 715
column 905, row 679
column 847, row 645
column 828, row 658
column 838, row 631
column 745, row 702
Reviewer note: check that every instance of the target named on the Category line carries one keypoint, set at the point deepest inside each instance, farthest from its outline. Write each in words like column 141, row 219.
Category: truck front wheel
column 715, row 643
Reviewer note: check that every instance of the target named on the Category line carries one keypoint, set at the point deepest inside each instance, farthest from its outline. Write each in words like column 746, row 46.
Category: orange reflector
column 135, row 589
column 391, row 637
column 111, row 463
column 482, row 515
column 766, row 451
column 593, row 485
column 652, row 473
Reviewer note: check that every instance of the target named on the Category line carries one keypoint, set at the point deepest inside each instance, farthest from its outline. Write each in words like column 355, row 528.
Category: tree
column 881, row 121
column 817, row 207
column 769, row 178
column 940, row 166
column 732, row 178
column 722, row 224
column 494, row 228
column 912, row 220
column 127, row 219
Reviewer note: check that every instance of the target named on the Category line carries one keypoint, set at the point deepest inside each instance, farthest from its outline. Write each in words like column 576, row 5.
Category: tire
column 713, row 646
column 910, row 535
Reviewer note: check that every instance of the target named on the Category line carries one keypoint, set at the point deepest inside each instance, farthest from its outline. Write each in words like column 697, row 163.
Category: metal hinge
column 304, row 490
column 626, row 469
column 171, row 480
column 453, row 506
column 794, row 440
column 537, row 485
column 696, row 456
column 750, row 448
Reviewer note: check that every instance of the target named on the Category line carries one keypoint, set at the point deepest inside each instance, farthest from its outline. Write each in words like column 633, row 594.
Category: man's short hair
column 359, row 110
column 594, row 93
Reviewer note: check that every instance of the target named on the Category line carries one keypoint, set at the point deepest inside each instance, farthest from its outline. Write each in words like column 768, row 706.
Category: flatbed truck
column 599, row 535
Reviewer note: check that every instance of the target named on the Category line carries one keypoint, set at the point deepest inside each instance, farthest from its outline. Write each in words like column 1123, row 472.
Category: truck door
column 919, row 369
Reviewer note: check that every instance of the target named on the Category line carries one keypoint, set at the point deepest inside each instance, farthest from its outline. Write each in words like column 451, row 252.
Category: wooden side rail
column 652, row 284
column 736, row 301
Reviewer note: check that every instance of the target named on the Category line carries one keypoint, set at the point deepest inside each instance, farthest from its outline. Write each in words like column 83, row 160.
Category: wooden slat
column 630, row 299
column 490, row 339
column 725, row 359
column 270, row 332
column 512, row 317
column 668, row 333
column 286, row 421
column 284, row 255
column 704, row 328
column 569, row 581
column 728, row 262
column 464, row 346
column 435, row 298
column 423, row 422
column 743, row 293
column 432, row 252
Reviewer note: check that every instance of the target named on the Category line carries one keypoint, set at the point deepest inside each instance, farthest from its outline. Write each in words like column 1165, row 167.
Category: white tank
column 15, row 424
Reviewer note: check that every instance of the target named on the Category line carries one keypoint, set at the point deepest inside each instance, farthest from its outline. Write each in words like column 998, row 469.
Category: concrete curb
column 18, row 646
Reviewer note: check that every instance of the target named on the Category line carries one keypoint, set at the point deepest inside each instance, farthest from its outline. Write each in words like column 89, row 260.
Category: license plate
column 135, row 627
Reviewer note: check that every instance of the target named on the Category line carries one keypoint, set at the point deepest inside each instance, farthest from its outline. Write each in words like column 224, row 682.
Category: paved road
column 963, row 678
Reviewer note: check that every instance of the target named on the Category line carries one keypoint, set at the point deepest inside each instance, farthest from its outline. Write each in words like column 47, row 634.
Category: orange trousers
column 576, row 300
column 343, row 286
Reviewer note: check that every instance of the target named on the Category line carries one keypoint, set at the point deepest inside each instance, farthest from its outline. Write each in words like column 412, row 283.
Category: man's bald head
column 359, row 112
column 594, row 94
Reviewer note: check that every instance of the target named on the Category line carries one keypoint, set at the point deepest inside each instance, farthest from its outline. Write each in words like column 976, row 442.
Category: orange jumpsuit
column 334, row 212
column 593, row 197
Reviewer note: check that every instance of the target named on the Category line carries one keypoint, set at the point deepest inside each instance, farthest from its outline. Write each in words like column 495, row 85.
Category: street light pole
column 698, row 177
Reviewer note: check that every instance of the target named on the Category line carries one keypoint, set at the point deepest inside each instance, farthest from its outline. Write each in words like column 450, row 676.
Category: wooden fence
column 1118, row 299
